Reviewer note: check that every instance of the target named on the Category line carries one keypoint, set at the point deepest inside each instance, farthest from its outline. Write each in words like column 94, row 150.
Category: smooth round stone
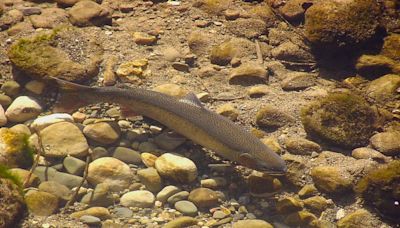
column 41, row 203
column 21, row 128
column 148, row 159
column 111, row 171
column 101, row 196
column 90, row 220
column 99, row 212
column 139, row 198
column 253, row 223
column 10, row 88
column 367, row 153
column 22, row 174
column 23, row 108
column 331, row 179
column 63, row 139
column 127, row 155
column 213, row 183
column 186, row 207
column 5, row 100
column 184, row 221
column 204, row 197
column 56, row 189
column 387, row 143
column 45, row 121
column 123, row 212
column 176, row 167
column 99, row 152
column 147, row 147
column 151, row 179
column 74, row 165
column 167, row 192
column 183, row 195
column 103, row 132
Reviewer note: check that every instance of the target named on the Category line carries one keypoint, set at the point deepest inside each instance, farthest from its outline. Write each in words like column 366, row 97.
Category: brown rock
column 331, row 179
column 203, row 197
column 249, row 28
column 41, row 203
column 387, row 143
column 49, row 18
column 88, row 13
column 142, row 38
column 248, row 74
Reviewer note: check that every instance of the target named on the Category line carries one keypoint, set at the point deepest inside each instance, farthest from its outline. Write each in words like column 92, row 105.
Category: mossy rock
column 11, row 202
column 342, row 119
column 54, row 54
column 384, row 89
column 215, row 7
column 333, row 24
column 373, row 66
column 381, row 189
column 15, row 150
column 391, row 47
column 222, row 54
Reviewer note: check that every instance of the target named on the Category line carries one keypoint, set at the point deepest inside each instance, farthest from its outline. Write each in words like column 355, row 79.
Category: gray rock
column 57, row 189
column 298, row 81
column 123, row 212
column 151, row 179
column 50, row 174
column 98, row 152
column 186, row 207
column 147, row 147
column 90, row 220
column 101, row 196
column 183, row 195
column 169, row 141
column 139, row 198
column 74, row 165
column 127, row 155
column 167, row 192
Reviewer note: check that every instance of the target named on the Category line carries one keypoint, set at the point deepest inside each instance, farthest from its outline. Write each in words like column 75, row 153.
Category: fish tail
column 70, row 96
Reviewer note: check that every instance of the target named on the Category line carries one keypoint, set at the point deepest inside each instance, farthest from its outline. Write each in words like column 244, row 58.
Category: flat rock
column 99, row 212
column 171, row 89
column 49, row 18
column 387, row 143
column 253, row 223
column 331, row 179
column 176, row 167
column 35, row 86
column 23, row 108
column 186, row 208
column 298, row 81
column 139, row 198
column 270, row 116
column 57, row 189
column 103, row 132
column 41, row 203
column 63, row 139
column 45, row 121
column 368, row 153
column 142, row 38
column 182, row 195
column 167, row 192
column 204, row 197
column 184, row 221
column 50, row 174
column 89, row 13
column 74, row 165
column 100, row 197
column 151, row 179
column 112, row 171
column 127, row 155
column 90, row 220
column 248, row 74
column 301, row 146
column 247, row 27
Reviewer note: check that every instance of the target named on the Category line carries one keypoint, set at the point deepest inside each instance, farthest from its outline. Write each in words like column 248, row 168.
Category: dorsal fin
column 192, row 99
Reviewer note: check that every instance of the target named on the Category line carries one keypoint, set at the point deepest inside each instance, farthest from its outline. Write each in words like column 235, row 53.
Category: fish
column 186, row 116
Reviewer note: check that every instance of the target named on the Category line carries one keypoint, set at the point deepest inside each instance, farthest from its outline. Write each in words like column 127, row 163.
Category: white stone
column 139, row 198
column 111, row 171
column 22, row 109
column 45, row 121
column 176, row 167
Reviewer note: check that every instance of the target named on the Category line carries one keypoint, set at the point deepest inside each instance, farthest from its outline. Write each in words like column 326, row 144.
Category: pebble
column 147, row 147
column 127, row 155
column 74, row 165
column 148, row 159
column 184, row 221
column 169, row 141
column 57, row 189
column 253, row 223
column 23, row 108
column 248, row 74
column 182, row 195
column 50, row 174
column 151, row 179
column 88, row 13
column 167, row 192
column 10, row 88
column 3, row 118
column 142, row 38
column 79, row 117
column 176, row 167
column 171, row 89
column 301, row 146
column 204, row 197
column 109, row 74
column 123, row 212
column 368, row 153
column 112, row 171
column 340, row 214
column 63, row 139
column 99, row 212
column 387, row 143
column 22, row 129
column 231, row 14
column 214, row 183
column 270, row 116
column 41, row 203
column 308, row 190
column 103, row 132
column 44, row 121
column 98, row 152
column 316, row 204
column 5, row 100
column 298, row 81
column 36, row 87
column 300, row 218
column 90, row 220
column 180, row 66
column 186, row 208
column 101, row 196
column 139, row 198
column 259, row 91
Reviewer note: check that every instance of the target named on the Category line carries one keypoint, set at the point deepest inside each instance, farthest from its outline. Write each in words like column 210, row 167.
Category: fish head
column 266, row 161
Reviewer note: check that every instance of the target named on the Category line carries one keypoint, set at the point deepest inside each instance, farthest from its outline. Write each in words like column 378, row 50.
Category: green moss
column 342, row 119
column 17, row 145
column 6, row 174
column 381, row 188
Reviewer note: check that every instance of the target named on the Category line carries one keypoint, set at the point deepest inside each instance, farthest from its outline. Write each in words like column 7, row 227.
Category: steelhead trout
column 186, row 116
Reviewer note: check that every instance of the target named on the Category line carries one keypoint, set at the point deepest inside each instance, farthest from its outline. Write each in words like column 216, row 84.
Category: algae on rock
column 342, row 119
column 48, row 54
column 14, row 149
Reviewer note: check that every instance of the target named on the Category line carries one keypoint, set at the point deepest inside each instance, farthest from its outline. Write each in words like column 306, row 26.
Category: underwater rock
column 391, row 47
column 288, row 205
column 260, row 183
column 341, row 23
column 45, row 55
column 171, row 89
column 247, row 27
column 316, row 204
column 99, row 212
column 270, row 116
column 204, row 197
column 228, row 110
column 215, row 7
column 358, row 218
column 381, row 189
column 184, row 221
column 61, row 191
column 139, row 198
column 22, row 174
column 23, row 108
column 41, row 203
column 253, row 223
column 11, row 88
column 300, row 218
column 103, row 132
column 387, row 143
column 383, row 89
column 298, row 81
column 176, row 167
column 151, row 179
column 12, row 204
column 100, row 197
column 294, row 10
column 342, row 119
column 49, row 18
column 142, row 38
column 89, row 13
column 127, row 155
column 14, row 149
column 331, row 179
column 222, row 54
column 301, row 146
column 167, row 192
column 374, row 66
column 186, row 208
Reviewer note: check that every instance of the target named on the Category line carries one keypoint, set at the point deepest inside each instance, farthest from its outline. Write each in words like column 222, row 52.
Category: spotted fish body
column 189, row 118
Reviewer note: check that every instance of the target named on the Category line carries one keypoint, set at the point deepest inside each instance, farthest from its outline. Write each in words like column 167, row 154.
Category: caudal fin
column 70, row 96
